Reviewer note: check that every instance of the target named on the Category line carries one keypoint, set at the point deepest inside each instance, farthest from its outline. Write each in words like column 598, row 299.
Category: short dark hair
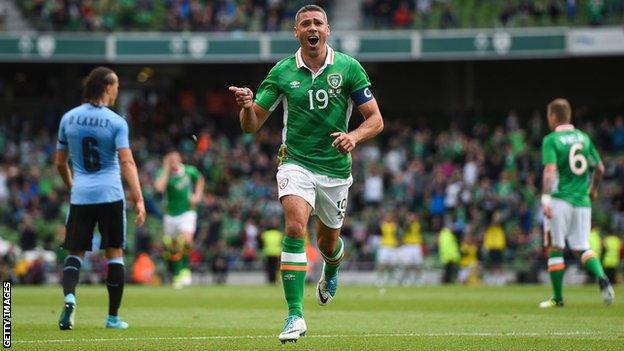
column 310, row 8
column 96, row 82
column 561, row 109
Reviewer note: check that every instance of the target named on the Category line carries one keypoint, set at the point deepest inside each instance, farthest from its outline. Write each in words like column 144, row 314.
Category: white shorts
column 326, row 195
column 183, row 223
column 568, row 223
column 410, row 255
column 387, row 256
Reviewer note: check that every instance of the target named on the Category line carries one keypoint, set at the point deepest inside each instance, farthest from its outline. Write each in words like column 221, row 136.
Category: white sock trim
column 294, row 257
column 555, row 260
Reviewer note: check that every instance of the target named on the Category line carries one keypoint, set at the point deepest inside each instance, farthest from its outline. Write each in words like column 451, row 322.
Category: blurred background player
column 272, row 249
column 411, row 252
column 494, row 244
column 567, row 155
column 611, row 257
column 314, row 175
column 183, row 187
column 387, row 255
column 96, row 140
column 469, row 262
column 448, row 251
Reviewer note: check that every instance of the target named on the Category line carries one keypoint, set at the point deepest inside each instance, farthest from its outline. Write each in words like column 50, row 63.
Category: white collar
column 564, row 128
column 329, row 58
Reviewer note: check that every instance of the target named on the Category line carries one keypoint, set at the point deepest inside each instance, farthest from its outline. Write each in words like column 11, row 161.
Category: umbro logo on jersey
column 295, row 84
column 334, row 80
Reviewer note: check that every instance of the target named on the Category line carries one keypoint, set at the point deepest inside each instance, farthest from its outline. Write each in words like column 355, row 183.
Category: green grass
column 361, row 318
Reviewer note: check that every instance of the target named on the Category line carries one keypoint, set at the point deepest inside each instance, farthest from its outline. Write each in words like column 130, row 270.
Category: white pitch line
column 326, row 336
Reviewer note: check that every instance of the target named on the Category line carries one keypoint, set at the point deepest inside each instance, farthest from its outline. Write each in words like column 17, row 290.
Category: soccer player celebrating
column 318, row 88
column 183, row 186
column 569, row 153
column 96, row 140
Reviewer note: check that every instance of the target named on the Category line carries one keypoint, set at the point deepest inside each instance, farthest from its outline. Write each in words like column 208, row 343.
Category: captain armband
column 362, row 96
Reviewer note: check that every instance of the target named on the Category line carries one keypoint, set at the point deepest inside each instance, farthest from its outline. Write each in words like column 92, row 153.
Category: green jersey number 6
column 577, row 161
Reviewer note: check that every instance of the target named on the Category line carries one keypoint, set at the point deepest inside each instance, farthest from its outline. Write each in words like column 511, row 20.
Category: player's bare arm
column 199, row 191
column 595, row 180
column 548, row 180
column 372, row 125
column 62, row 166
column 131, row 175
column 161, row 182
column 252, row 116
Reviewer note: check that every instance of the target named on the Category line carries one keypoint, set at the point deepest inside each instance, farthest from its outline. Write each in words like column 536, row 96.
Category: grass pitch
column 360, row 318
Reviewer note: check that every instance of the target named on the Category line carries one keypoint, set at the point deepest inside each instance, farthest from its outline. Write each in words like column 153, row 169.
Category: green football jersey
column 180, row 189
column 315, row 105
column 573, row 153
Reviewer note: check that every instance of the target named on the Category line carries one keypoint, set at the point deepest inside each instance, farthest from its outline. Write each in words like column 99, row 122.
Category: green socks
column 332, row 263
column 293, row 270
column 592, row 264
column 556, row 268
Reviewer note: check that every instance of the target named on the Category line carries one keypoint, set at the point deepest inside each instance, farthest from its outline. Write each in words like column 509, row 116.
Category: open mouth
column 313, row 40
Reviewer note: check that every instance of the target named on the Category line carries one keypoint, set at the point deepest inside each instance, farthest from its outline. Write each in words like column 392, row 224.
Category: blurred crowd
column 168, row 15
column 446, row 14
column 472, row 191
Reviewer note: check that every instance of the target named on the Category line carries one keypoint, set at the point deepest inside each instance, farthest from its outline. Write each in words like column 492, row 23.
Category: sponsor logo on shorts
column 283, row 183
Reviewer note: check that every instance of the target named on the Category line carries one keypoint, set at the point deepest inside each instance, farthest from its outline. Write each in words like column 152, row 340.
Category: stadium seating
column 263, row 15
column 444, row 14
column 170, row 15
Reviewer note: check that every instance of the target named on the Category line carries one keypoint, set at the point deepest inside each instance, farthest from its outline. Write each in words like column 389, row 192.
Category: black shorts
column 496, row 257
column 110, row 218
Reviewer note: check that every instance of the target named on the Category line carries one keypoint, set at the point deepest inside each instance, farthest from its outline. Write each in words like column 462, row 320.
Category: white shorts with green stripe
column 569, row 223
column 326, row 195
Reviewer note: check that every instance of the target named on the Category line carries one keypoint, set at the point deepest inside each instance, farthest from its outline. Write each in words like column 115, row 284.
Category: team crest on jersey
column 334, row 80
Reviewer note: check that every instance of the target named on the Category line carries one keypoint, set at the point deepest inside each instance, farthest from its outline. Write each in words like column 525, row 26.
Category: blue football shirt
column 93, row 134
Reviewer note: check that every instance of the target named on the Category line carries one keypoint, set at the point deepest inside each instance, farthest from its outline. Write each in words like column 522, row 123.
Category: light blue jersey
column 93, row 134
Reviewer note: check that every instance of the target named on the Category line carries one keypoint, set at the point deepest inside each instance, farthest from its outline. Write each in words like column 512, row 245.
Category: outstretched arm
column 62, row 166
column 252, row 116
column 199, row 190
column 372, row 125
column 161, row 182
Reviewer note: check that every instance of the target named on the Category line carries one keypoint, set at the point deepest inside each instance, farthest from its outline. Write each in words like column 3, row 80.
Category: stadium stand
column 274, row 15
column 170, row 15
column 444, row 14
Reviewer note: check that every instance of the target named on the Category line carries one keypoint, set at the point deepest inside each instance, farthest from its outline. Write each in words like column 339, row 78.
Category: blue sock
column 70, row 298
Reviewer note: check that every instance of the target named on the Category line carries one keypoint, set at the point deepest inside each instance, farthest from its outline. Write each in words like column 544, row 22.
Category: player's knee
column 294, row 229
